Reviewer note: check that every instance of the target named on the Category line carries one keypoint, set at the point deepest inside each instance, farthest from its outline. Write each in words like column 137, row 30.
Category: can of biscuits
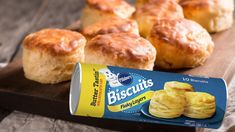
column 147, row 96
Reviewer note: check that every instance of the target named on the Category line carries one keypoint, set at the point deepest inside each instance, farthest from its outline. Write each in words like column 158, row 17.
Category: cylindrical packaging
column 147, row 96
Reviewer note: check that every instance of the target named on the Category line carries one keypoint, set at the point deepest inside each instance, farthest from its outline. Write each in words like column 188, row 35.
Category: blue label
column 153, row 97
column 127, row 96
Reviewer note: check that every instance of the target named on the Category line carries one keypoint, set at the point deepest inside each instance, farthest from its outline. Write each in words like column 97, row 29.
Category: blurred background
column 21, row 17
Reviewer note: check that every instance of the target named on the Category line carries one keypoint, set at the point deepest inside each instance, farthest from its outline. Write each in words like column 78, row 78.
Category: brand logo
column 110, row 77
column 125, row 78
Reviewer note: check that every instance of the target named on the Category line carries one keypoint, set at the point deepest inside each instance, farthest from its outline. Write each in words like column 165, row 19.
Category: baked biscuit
column 180, row 43
column 148, row 14
column 139, row 3
column 49, row 55
column 214, row 15
column 178, row 86
column 166, row 105
column 199, row 105
column 120, row 49
column 97, row 10
column 111, row 25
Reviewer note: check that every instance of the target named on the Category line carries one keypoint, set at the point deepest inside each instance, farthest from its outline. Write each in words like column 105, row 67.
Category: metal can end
column 75, row 88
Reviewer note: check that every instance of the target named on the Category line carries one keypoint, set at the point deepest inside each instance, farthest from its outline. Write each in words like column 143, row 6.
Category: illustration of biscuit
column 199, row 105
column 178, row 86
column 166, row 105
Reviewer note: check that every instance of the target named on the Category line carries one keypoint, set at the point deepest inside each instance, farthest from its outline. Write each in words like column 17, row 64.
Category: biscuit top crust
column 211, row 5
column 200, row 99
column 143, row 2
column 55, row 41
column 123, row 46
column 110, row 25
column 161, row 9
column 120, row 7
column 178, row 86
column 183, row 33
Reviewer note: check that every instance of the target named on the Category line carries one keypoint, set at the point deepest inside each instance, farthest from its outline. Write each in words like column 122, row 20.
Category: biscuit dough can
column 139, row 95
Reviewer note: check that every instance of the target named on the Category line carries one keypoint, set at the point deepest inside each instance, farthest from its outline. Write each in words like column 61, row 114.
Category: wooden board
column 16, row 92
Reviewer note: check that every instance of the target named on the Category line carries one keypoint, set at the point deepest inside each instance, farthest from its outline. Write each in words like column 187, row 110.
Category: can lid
column 75, row 88
column 227, row 97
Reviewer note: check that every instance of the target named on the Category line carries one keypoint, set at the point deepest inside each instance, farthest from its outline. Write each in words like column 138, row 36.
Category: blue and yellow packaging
column 147, row 96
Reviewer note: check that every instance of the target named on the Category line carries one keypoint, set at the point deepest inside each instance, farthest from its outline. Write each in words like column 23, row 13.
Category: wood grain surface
column 12, row 32
column 18, row 93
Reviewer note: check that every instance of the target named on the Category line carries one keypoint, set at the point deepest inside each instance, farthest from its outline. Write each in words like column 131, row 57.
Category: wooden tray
column 18, row 93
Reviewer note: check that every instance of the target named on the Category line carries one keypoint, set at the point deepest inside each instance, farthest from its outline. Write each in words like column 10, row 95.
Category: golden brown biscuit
column 97, row 10
column 111, row 25
column 178, row 86
column 199, row 105
column 166, row 105
column 148, row 14
column 180, row 43
column 120, row 49
column 140, row 3
column 49, row 55
column 214, row 15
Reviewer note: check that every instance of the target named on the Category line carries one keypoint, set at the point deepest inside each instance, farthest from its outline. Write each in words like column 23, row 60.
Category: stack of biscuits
column 178, row 99
column 166, row 105
column 167, row 34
